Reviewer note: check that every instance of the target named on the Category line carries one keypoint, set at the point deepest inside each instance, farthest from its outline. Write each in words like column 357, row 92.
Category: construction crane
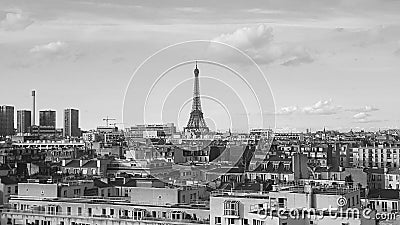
column 108, row 119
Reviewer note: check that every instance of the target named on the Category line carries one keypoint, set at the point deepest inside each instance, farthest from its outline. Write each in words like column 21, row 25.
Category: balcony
column 14, row 213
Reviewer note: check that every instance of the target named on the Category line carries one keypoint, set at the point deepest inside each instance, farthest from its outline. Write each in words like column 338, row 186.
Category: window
column 231, row 208
column 104, row 211
column 245, row 221
column 68, row 210
column 79, row 211
column 90, row 211
column 231, row 221
column 77, row 191
column 111, row 212
column 137, row 215
column 384, row 206
column 9, row 190
column 217, row 220
column 394, row 206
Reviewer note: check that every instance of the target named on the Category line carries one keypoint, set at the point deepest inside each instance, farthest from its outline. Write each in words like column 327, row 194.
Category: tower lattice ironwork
column 196, row 121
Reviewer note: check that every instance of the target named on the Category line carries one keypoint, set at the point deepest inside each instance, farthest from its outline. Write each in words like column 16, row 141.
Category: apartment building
column 261, row 208
column 380, row 156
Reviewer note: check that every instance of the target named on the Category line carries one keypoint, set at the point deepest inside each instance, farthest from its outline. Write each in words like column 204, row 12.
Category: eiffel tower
column 196, row 123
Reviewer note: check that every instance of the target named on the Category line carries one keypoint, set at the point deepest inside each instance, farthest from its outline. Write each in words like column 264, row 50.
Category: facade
column 157, row 130
column 384, row 200
column 6, row 120
column 71, row 123
column 95, row 210
column 392, row 179
column 267, row 208
column 93, row 167
column 8, row 187
column 47, row 132
column 47, row 118
column 24, row 121
column 380, row 156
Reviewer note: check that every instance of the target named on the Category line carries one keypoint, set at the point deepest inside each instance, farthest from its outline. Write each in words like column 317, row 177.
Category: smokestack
column 34, row 108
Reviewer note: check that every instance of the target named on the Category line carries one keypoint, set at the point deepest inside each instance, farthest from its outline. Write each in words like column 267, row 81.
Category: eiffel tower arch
column 196, row 124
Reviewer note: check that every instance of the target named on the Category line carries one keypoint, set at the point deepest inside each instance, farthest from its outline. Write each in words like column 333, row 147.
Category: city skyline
column 329, row 65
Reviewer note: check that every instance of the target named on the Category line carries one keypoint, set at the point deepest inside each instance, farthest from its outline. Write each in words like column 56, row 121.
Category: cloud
column 300, row 56
column 361, row 115
column 364, row 117
column 367, row 108
column 265, row 11
column 55, row 51
column 52, row 48
column 191, row 9
column 14, row 21
column 287, row 110
column 325, row 107
column 258, row 42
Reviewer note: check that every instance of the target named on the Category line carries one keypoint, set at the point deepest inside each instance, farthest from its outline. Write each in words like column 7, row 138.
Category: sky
column 287, row 65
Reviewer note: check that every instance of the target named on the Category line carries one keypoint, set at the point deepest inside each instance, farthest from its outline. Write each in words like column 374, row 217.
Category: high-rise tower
column 24, row 121
column 196, row 122
column 47, row 118
column 6, row 120
column 71, row 123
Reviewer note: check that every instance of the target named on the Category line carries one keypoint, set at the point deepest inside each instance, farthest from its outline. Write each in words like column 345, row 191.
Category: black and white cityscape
column 127, row 112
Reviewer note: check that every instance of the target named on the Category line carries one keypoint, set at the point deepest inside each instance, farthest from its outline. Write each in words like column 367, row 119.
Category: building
column 8, row 187
column 392, row 179
column 151, row 191
column 71, row 123
column 45, row 132
column 281, row 169
column 384, row 200
column 6, row 120
column 47, row 118
column 375, row 178
column 44, row 208
column 260, row 208
column 68, row 189
column 24, row 121
column 152, row 130
column 93, row 167
column 380, row 156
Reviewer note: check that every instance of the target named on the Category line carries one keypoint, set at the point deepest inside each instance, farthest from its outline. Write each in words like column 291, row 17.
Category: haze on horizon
column 332, row 64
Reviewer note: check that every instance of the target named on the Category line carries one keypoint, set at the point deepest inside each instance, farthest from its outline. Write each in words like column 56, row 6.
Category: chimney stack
column 34, row 108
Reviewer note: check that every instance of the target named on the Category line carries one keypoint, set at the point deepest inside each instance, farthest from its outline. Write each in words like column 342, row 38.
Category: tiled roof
column 270, row 169
column 384, row 194
column 394, row 171
column 100, row 184
column 8, row 180
column 73, row 163
column 90, row 164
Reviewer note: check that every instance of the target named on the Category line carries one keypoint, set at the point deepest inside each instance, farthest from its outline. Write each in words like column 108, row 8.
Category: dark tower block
column 196, row 124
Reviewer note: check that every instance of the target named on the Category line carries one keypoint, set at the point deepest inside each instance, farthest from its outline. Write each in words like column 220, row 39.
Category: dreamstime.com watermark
column 318, row 214
column 330, row 212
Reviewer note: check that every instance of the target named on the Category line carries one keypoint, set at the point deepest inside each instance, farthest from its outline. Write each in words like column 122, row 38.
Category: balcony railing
column 15, row 212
